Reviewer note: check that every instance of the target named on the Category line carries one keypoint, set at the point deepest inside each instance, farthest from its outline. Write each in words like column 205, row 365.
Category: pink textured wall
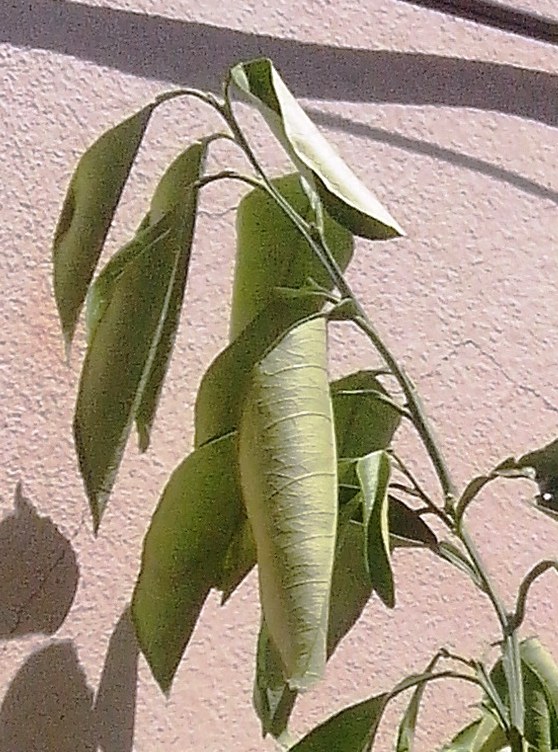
column 463, row 154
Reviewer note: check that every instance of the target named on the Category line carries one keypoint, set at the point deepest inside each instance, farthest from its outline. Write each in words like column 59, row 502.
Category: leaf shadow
column 38, row 573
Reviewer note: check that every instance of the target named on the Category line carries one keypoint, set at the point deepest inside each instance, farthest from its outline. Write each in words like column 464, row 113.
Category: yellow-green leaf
column 343, row 195
column 289, row 483
column 183, row 553
column 88, row 211
column 119, row 359
column 272, row 252
column 374, row 472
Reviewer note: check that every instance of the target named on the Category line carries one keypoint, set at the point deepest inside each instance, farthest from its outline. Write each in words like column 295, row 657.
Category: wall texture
column 454, row 126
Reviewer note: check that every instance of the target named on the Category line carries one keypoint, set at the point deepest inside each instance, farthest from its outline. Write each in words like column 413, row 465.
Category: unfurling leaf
column 289, row 483
column 88, row 211
column 183, row 553
column 343, row 195
column 374, row 472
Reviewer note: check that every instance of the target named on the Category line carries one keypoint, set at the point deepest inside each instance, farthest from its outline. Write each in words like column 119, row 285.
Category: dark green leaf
column 484, row 735
column 509, row 468
column 272, row 252
column 239, row 560
column 120, row 357
column 545, row 463
column 374, row 472
column 406, row 527
column 175, row 191
column 88, row 211
column 288, row 474
column 351, row 730
column 363, row 423
column 183, row 553
column 407, row 727
column 343, row 195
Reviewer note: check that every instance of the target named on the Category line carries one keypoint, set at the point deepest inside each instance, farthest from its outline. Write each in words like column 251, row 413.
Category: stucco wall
column 454, row 126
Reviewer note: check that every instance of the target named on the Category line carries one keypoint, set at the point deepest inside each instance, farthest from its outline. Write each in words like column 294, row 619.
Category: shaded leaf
column 540, row 662
column 289, row 482
column 351, row 730
column 120, row 357
column 239, row 560
column 363, row 423
column 373, row 472
column 545, row 463
column 272, row 252
column 87, row 213
column 343, row 195
column 183, row 552
column 408, row 527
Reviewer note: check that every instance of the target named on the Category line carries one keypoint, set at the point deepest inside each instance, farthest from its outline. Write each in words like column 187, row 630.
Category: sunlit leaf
column 484, row 735
column 289, row 482
column 240, row 559
column 176, row 190
column 374, row 472
column 87, row 213
column 183, row 553
column 343, row 195
column 272, row 252
column 351, row 730
column 120, row 357
column 407, row 727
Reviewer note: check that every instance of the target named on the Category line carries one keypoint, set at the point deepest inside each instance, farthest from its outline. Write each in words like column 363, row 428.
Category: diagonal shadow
column 416, row 146
column 197, row 54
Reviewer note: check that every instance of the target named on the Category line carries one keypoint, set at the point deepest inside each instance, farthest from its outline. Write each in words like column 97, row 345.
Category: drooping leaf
column 88, row 211
column 219, row 397
column 509, row 468
column 289, row 482
column 545, row 463
column 373, row 472
column 272, row 252
column 343, row 195
column 120, row 357
column 351, row 730
column 363, row 423
column 176, row 190
column 183, row 552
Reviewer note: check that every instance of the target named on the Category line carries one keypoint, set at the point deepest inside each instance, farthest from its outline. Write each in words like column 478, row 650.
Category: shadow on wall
column 48, row 706
column 197, row 54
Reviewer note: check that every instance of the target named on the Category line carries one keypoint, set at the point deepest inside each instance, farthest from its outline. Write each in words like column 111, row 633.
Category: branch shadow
column 198, row 54
column 38, row 572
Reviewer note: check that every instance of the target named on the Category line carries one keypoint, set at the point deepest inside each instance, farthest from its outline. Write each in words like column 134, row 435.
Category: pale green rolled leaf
column 87, row 213
column 289, row 482
column 343, row 195
column 183, row 553
column 374, row 472
column 272, row 252
column 120, row 357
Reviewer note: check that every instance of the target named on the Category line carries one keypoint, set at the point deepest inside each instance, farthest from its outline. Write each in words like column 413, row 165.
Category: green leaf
column 176, row 190
column 289, row 482
column 542, row 665
column 509, row 468
column 545, row 463
column 220, row 395
column 183, row 552
column 407, row 727
column 374, row 472
column 240, row 559
column 363, row 423
column 407, row 528
column 484, row 735
column 458, row 559
column 351, row 730
column 343, row 195
column 272, row 252
column 120, row 357
column 88, row 211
